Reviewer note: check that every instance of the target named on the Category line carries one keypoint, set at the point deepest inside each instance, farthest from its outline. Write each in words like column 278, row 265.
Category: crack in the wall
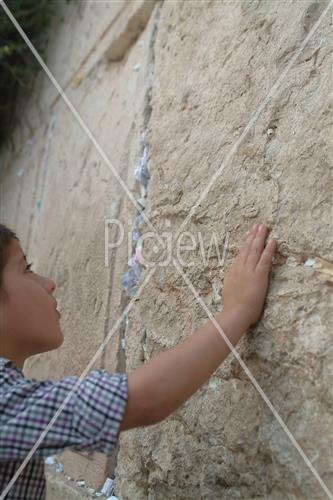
column 130, row 31
column 130, row 279
column 142, row 176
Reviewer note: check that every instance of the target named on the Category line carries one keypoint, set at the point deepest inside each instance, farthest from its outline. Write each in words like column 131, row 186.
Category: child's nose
column 52, row 285
column 47, row 283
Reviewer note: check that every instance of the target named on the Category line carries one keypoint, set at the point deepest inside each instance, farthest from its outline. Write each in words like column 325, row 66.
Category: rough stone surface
column 59, row 487
column 214, row 66
column 205, row 70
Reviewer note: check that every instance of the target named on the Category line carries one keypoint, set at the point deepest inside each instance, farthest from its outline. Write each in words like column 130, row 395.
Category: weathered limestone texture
column 215, row 63
column 192, row 75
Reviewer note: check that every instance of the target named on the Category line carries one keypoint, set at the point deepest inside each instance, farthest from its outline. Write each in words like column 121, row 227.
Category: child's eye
column 28, row 267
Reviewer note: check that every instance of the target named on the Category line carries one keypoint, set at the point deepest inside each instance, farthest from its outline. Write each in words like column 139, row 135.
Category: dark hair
column 6, row 235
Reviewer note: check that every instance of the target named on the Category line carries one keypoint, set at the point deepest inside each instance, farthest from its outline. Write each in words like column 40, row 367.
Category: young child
column 103, row 404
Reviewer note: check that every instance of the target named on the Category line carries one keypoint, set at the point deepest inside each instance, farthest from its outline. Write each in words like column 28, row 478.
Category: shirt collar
column 6, row 362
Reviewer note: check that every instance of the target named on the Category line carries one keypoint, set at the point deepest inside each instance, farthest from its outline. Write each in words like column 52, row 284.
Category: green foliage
column 17, row 64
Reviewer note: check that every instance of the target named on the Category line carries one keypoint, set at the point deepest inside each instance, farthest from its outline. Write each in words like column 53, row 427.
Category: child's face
column 28, row 317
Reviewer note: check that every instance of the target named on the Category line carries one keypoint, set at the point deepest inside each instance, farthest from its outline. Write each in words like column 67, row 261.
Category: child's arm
column 162, row 384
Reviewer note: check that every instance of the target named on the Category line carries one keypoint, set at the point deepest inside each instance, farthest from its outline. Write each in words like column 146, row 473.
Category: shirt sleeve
column 86, row 415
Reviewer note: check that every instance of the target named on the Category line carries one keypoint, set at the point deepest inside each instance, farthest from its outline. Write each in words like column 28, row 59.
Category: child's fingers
column 265, row 260
column 257, row 247
column 244, row 250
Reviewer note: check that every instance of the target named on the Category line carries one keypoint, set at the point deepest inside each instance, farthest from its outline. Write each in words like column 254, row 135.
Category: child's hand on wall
column 245, row 284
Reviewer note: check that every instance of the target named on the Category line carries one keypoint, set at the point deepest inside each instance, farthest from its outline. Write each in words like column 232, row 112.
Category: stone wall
column 233, row 106
column 215, row 63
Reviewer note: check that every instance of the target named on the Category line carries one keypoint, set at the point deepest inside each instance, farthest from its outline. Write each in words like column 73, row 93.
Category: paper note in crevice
column 323, row 267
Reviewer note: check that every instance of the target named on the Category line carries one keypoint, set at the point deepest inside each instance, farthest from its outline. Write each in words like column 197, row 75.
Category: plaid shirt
column 90, row 420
